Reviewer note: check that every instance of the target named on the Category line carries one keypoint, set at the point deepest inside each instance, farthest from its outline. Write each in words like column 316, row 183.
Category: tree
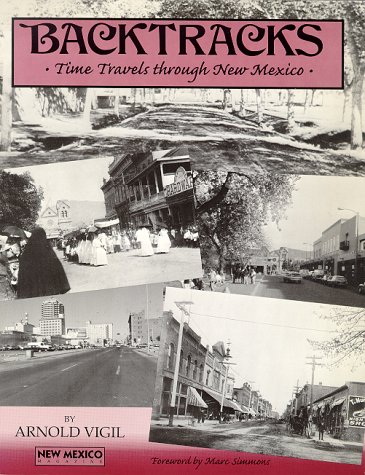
column 20, row 200
column 349, row 339
column 232, row 209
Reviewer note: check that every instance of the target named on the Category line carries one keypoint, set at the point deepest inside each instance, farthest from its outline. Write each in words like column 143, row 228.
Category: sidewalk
column 191, row 423
column 329, row 441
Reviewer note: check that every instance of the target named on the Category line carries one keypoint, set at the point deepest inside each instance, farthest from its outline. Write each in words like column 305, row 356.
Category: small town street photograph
column 100, row 223
column 94, row 349
column 247, row 374
column 294, row 237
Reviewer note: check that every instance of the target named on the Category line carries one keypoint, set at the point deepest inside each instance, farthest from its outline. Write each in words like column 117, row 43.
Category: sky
column 314, row 208
column 78, row 180
column 269, row 339
column 102, row 306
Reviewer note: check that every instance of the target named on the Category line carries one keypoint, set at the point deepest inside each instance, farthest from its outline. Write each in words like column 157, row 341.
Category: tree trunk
column 86, row 115
column 133, row 97
column 356, row 112
column 7, row 94
column 116, row 103
column 346, row 101
column 242, row 111
column 227, row 100
column 307, row 100
column 290, row 112
column 259, row 106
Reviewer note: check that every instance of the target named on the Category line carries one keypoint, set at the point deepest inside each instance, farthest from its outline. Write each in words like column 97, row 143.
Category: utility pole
column 313, row 363
column 294, row 396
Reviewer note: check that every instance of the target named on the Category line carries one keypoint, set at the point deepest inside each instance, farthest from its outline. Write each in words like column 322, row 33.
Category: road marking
column 69, row 367
column 118, row 371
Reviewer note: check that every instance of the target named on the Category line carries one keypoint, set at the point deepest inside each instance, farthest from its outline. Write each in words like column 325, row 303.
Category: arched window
column 65, row 213
column 170, row 356
column 207, row 378
column 188, row 365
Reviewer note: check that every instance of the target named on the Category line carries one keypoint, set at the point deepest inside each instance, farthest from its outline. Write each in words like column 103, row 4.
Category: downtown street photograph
column 94, row 349
column 248, row 374
column 297, row 237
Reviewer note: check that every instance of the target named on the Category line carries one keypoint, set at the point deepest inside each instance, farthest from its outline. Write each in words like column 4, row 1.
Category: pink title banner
column 178, row 53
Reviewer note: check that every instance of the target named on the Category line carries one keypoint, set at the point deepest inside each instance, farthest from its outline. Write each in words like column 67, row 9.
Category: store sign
column 182, row 182
column 357, row 411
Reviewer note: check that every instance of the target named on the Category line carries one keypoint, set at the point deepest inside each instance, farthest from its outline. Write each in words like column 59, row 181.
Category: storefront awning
column 338, row 402
column 194, row 398
column 233, row 405
column 226, row 402
column 106, row 224
column 245, row 409
column 252, row 412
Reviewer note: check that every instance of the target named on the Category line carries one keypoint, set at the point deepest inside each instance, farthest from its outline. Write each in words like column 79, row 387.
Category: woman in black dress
column 40, row 271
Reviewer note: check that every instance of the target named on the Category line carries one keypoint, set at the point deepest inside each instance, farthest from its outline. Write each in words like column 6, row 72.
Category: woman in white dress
column 163, row 242
column 98, row 255
column 87, row 250
column 143, row 236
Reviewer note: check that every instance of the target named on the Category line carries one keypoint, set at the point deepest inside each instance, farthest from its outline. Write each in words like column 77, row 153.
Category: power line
column 265, row 323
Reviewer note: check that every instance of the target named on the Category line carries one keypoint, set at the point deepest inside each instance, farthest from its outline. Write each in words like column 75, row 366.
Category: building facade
column 151, row 187
column 52, row 321
column 143, row 330
column 201, row 385
column 99, row 334
column 341, row 250
column 343, row 411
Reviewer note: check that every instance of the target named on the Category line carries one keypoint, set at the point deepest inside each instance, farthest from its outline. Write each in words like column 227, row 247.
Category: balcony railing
column 137, row 205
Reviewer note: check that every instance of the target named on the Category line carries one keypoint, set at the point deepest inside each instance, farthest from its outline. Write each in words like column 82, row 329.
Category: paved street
column 308, row 291
column 121, row 377
column 127, row 268
column 261, row 437
column 215, row 138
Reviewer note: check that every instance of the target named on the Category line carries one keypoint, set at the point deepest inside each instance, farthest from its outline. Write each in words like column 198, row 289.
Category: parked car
column 304, row 273
column 317, row 275
column 337, row 281
column 293, row 277
column 325, row 279
column 361, row 288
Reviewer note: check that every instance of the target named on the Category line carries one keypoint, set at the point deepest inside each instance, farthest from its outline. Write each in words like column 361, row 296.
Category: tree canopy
column 20, row 200
column 232, row 209
column 349, row 338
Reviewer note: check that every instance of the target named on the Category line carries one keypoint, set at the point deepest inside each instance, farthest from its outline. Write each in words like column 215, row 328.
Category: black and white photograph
column 297, row 237
column 94, row 349
column 99, row 223
column 247, row 374
column 278, row 130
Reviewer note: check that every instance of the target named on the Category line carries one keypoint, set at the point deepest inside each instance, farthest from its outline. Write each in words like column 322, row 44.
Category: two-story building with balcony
column 151, row 187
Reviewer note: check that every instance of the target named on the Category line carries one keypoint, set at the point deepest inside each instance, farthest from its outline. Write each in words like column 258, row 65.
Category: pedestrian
column 6, row 291
column 163, row 242
column 246, row 276
column 98, row 254
column 143, row 237
column 40, row 271
column 253, row 276
column 320, row 426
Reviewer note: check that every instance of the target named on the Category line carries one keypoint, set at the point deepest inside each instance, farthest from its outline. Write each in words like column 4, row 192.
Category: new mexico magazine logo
column 71, row 456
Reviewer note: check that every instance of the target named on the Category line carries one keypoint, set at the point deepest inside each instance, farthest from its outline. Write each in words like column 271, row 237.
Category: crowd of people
column 29, row 266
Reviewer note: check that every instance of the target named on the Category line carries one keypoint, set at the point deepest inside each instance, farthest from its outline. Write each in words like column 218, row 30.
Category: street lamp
column 180, row 306
column 357, row 239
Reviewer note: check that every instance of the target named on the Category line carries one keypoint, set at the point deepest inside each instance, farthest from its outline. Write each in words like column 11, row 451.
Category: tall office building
column 52, row 321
